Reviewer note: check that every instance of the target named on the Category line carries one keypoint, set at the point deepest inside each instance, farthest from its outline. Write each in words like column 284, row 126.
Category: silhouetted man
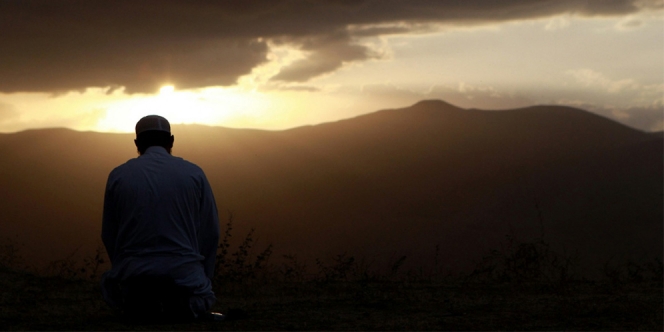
column 161, row 231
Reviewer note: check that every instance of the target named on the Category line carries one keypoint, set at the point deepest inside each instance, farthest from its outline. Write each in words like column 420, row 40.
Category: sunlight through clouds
column 558, row 22
column 211, row 106
column 603, row 60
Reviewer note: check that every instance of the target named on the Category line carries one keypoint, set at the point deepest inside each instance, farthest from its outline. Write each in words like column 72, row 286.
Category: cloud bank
column 61, row 45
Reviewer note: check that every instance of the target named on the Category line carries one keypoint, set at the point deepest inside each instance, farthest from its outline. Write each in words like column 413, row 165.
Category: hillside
column 393, row 182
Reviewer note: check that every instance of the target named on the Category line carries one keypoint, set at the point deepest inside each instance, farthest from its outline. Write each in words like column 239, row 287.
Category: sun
column 216, row 106
column 166, row 89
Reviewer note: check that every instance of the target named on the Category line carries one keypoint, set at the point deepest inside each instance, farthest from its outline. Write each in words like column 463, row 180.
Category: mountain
column 390, row 183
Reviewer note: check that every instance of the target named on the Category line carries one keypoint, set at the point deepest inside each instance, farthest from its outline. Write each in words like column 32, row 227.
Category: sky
column 278, row 64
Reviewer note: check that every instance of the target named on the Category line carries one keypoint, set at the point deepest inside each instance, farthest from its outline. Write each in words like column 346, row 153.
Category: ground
column 34, row 302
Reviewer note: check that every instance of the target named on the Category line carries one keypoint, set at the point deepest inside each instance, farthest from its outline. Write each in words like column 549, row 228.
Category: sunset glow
column 422, row 164
column 166, row 89
column 212, row 106
column 605, row 59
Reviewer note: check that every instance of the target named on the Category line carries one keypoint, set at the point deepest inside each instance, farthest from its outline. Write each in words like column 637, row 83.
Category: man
column 161, row 230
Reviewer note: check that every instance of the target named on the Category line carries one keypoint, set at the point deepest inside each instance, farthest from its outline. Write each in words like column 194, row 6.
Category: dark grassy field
column 524, row 285
column 32, row 302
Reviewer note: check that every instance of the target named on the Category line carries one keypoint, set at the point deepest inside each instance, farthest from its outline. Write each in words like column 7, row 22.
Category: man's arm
column 109, row 225
column 208, row 234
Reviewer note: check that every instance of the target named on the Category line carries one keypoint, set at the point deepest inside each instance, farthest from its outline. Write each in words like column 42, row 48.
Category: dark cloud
column 325, row 54
column 59, row 45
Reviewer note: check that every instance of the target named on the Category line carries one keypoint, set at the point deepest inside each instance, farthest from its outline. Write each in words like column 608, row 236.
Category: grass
column 521, row 286
column 31, row 302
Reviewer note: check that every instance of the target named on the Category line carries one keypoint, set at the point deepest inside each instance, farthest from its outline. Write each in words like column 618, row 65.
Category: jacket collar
column 156, row 150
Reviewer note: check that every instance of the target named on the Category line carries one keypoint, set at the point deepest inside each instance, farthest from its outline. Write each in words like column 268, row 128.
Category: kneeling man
column 161, row 230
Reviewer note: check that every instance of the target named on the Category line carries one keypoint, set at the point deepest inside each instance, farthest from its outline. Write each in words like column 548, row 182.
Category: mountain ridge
column 435, row 106
column 397, row 181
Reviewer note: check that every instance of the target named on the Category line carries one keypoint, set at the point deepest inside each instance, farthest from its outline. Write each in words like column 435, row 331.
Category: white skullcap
column 152, row 122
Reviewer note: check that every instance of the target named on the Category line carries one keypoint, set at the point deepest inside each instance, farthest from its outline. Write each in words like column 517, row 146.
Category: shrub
column 10, row 256
column 526, row 261
column 240, row 266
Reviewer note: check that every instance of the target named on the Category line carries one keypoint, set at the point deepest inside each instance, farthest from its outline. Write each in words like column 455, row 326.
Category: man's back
column 156, row 203
column 160, row 220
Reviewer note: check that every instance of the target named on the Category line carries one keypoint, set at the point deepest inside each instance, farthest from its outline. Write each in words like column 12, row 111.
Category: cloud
column 301, row 88
column 647, row 118
column 7, row 113
column 638, row 94
column 81, row 120
column 481, row 97
column 326, row 54
column 463, row 95
column 629, row 24
column 55, row 46
column 591, row 78
column 557, row 23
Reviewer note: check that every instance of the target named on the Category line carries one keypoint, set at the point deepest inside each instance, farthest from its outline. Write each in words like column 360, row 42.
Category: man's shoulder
column 134, row 164
column 122, row 168
column 129, row 163
column 187, row 164
column 124, row 165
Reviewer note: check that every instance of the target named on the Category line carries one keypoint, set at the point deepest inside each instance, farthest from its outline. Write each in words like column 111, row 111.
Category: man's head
column 153, row 130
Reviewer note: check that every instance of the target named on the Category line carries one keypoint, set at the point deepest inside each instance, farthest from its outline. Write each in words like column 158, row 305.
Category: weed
column 92, row 264
column 345, row 268
column 67, row 268
column 338, row 270
column 631, row 272
column 72, row 268
column 519, row 261
column 239, row 267
column 656, row 269
column 396, row 266
column 346, row 293
column 292, row 269
column 10, row 256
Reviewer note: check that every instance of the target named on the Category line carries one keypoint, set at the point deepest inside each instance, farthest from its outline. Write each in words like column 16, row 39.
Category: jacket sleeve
column 208, row 234
column 109, row 226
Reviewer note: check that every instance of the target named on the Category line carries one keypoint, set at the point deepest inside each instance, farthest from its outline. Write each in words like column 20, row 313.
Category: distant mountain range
column 390, row 183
